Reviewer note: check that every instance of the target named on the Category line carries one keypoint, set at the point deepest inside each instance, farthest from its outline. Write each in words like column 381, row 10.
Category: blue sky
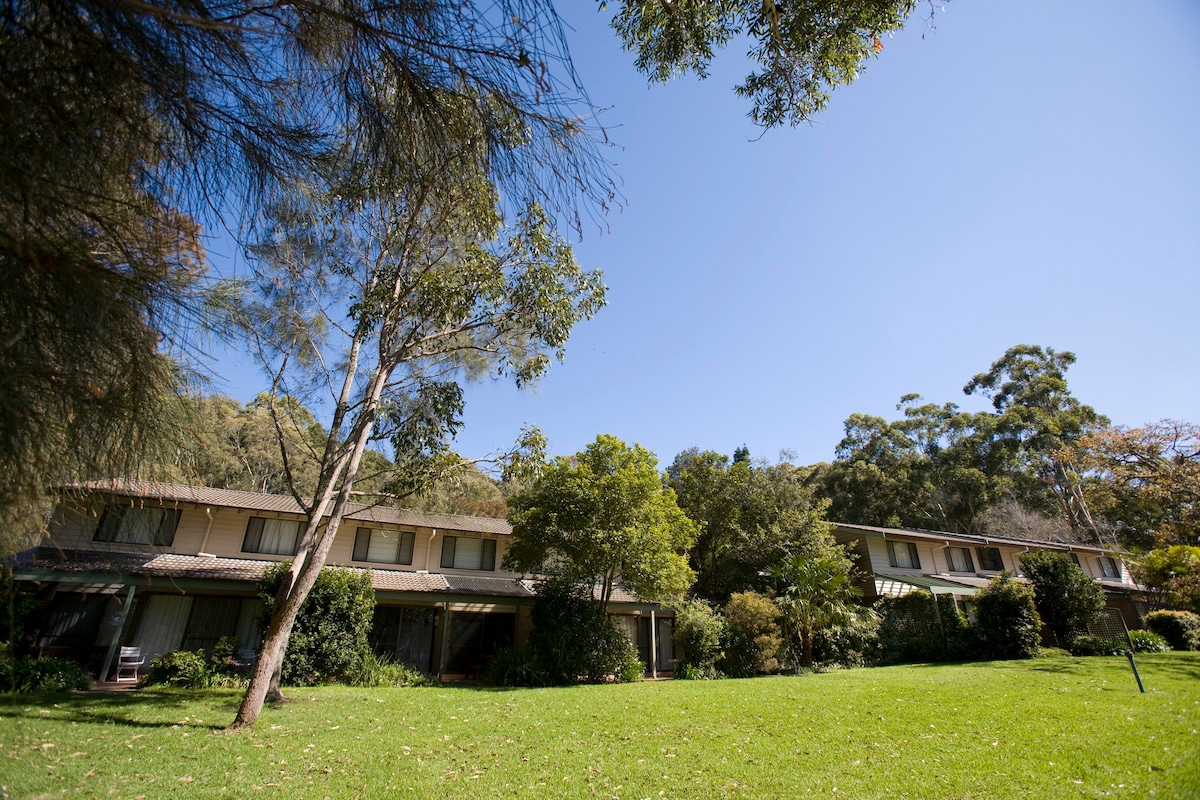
column 1025, row 173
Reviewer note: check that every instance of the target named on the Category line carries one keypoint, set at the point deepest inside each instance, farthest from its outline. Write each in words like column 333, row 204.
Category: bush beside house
column 1007, row 623
column 330, row 639
column 1181, row 629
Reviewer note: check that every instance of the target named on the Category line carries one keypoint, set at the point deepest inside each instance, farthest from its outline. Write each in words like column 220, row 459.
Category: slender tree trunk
column 305, row 568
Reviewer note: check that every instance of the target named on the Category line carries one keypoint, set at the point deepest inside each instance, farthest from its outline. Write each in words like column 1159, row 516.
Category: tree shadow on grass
column 146, row 708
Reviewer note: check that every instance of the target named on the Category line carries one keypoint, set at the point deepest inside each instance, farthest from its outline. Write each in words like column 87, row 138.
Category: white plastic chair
column 127, row 664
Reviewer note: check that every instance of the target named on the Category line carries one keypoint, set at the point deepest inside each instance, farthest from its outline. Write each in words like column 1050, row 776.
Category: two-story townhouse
column 894, row 561
column 166, row 567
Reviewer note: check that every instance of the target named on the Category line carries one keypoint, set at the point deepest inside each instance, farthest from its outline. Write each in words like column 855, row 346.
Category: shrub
column 688, row 672
column 849, row 643
column 373, row 670
column 909, row 631
column 40, row 674
column 1067, row 598
column 1148, row 642
column 1181, row 629
column 573, row 640
column 752, row 635
column 1087, row 645
column 1007, row 622
column 182, row 668
column 330, row 637
column 514, row 666
column 698, row 633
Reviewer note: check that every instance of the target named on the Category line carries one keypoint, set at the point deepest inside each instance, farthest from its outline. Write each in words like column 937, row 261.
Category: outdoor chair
column 128, row 662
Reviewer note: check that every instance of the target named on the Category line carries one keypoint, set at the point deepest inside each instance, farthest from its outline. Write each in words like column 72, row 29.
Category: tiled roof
column 286, row 504
column 178, row 566
column 470, row 584
column 919, row 533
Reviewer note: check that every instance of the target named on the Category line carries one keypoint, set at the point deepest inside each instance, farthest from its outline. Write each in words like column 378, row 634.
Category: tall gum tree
column 387, row 296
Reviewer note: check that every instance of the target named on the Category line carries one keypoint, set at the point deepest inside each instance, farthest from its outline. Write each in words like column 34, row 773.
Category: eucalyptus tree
column 384, row 296
column 1036, row 424
column 126, row 125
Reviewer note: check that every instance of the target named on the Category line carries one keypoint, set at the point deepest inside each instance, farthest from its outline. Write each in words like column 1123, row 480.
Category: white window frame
column 910, row 554
column 965, row 551
column 128, row 524
column 456, row 556
column 271, row 536
column 384, row 545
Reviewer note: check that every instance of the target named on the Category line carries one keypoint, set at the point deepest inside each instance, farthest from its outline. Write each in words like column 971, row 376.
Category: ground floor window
column 476, row 637
column 405, row 634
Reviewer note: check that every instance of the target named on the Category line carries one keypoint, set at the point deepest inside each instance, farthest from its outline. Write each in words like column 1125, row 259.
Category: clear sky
column 1027, row 172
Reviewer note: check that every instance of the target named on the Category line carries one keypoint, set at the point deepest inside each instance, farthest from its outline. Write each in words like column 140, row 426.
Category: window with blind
column 133, row 525
column 989, row 559
column 382, row 546
column 903, row 555
column 271, row 536
column 959, row 559
column 461, row 552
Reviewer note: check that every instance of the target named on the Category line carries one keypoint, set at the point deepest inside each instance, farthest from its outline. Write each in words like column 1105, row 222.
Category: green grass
column 1056, row 727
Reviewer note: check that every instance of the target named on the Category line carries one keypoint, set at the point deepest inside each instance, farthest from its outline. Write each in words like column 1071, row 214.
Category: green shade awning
column 927, row 582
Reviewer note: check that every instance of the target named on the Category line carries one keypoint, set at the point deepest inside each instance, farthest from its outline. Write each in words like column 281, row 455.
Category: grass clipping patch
column 1054, row 727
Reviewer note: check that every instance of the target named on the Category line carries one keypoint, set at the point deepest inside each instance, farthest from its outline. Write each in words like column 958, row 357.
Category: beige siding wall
column 74, row 526
column 933, row 558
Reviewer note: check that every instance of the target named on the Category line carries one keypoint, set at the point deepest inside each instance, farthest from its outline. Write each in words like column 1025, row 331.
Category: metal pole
column 1133, row 665
column 653, row 645
column 119, row 635
column 445, row 639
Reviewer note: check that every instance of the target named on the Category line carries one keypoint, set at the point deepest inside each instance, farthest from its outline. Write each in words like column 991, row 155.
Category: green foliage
column 1088, row 645
column 1181, row 629
column 941, row 468
column 329, row 640
column 199, row 670
column 912, row 630
column 752, row 637
column 181, row 668
column 814, row 593
column 1173, row 576
column 47, row 674
column 1067, row 598
column 515, row 666
column 573, row 640
column 849, row 643
column 801, row 50
column 699, row 630
column 373, row 671
column 1007, row 621
column 751, row 517
column 1148, row 642
column 603, row 518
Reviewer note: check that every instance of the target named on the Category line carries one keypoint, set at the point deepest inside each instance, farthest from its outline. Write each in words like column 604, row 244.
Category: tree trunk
column 293, row 592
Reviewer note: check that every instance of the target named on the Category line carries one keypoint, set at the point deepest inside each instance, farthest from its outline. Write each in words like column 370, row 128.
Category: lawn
column 1055, row 727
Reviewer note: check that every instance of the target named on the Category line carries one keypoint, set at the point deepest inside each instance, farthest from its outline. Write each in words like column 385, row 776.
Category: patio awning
column 889, row 585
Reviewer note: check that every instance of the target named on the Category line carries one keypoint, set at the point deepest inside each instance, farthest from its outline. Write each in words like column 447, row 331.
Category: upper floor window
column 137, row 525
column 461, row 552
column 271, row 536
column 959, row 559
column 903, row 555
column 1075, row 559
column 1108, row 567
column 383, row 546
column 989, row 559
